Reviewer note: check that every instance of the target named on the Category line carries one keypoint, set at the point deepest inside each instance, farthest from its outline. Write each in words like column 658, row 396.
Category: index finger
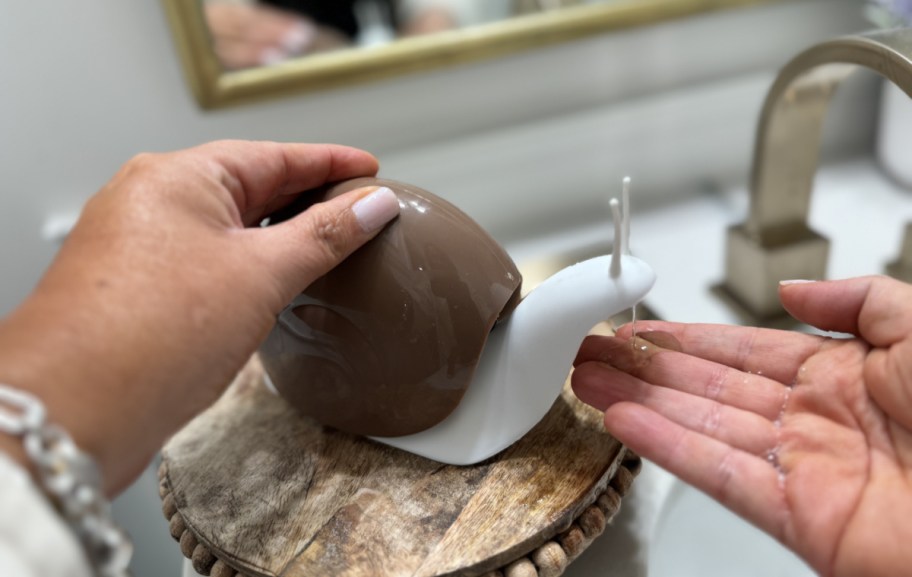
column 265, row 176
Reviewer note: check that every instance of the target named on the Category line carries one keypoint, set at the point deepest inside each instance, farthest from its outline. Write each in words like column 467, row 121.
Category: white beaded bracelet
column 70, row 478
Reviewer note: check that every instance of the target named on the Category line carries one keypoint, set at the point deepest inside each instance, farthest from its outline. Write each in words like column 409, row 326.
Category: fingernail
column 795, row 281
column 299, row 37
column 376, row 209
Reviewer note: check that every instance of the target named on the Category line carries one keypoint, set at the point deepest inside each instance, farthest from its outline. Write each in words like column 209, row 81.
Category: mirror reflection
column 251, row 33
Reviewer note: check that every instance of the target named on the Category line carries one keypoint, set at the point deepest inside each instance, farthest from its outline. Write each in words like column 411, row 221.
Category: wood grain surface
column 269, row 492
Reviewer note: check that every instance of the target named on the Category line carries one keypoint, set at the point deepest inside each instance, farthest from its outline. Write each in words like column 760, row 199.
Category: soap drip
column 647, row 345
column 661, row 340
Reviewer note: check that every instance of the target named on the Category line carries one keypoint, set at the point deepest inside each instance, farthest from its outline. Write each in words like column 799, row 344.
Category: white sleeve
column 34, row 540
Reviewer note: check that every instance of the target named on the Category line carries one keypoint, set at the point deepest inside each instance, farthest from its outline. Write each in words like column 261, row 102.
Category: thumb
column 876, row 308
column 306, row 247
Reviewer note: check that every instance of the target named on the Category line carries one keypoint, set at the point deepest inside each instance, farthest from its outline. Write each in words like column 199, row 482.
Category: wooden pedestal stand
column 251, row 488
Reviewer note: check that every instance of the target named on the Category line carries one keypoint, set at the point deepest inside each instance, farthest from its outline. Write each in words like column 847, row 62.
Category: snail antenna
column 616, row 251
column 625, row 216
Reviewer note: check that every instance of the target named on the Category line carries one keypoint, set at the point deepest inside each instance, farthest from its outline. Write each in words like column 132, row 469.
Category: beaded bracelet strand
column 71, row 480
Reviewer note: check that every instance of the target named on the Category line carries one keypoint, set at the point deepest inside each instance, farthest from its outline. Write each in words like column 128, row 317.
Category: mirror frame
column 215, row 87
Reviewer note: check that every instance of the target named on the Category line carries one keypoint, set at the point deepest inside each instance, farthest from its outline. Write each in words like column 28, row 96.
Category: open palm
column 809, row 438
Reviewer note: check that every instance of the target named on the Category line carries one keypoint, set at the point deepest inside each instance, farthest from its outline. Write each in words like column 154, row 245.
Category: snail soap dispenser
column 420, row 341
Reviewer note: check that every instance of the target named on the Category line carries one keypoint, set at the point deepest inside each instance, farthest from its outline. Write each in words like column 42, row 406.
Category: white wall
column 523, row 143
column 85, row 85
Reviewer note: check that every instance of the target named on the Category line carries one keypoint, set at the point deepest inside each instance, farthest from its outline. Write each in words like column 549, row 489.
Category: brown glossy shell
column 386, row 344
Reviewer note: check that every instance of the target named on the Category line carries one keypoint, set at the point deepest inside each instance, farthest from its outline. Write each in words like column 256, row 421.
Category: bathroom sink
column 666, row 528
column 689, row 520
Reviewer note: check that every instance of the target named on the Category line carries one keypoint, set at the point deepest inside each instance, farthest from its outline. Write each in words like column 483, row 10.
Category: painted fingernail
column 376, row 209
column 795, row 281
column 299, row 38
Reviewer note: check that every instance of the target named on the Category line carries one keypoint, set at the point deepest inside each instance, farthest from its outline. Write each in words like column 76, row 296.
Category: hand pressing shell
column 386, row 343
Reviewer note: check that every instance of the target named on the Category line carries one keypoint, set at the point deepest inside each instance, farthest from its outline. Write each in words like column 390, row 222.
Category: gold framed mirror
column 215, row 84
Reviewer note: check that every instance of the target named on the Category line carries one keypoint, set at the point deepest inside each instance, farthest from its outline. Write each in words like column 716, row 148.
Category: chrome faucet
column 775, row 242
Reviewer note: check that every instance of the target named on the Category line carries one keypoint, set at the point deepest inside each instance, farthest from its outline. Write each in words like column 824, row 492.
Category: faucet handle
column 775, row 242
column 901, row 268
column 755, row 262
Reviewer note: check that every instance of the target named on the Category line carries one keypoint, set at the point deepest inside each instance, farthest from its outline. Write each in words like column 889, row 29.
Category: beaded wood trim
column 548, row 560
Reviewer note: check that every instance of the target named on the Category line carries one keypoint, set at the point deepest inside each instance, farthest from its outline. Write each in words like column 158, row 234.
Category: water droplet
column 772, row 456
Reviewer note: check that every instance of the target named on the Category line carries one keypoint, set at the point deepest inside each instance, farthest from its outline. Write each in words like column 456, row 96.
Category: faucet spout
column 775, row 242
